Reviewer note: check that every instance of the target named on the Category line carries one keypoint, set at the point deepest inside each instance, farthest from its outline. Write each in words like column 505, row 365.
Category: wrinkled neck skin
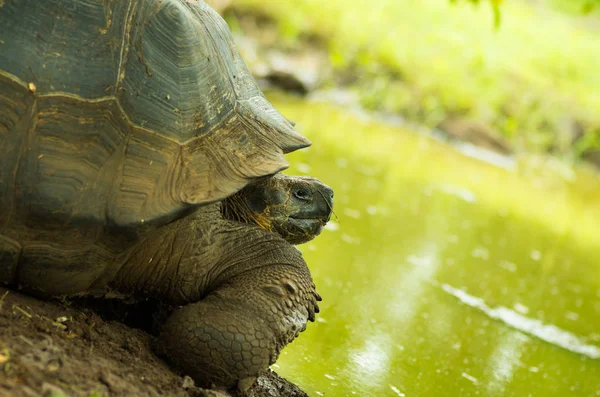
column 185, row 260
column 236, row 208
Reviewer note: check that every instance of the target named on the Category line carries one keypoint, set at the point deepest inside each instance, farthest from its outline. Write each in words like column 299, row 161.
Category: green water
column 443, row 274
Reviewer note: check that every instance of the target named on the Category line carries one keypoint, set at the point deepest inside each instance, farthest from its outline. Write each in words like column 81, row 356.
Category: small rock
column 188, row 383
column 474, row 132
column 50, row 390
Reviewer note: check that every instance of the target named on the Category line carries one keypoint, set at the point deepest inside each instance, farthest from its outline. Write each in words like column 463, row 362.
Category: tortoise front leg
column 236, row 332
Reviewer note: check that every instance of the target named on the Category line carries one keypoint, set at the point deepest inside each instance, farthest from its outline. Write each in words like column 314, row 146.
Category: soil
column 297, row 67
column 66, row 348
column 475, row 133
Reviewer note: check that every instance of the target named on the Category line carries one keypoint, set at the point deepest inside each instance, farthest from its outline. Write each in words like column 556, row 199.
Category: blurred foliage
column 577, row 6
column 533, row 80
column 495, row 8
column 573, row 6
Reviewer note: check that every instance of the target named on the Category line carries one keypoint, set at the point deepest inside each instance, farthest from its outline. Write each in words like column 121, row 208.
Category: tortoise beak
column 318, row 203
column 324, row 200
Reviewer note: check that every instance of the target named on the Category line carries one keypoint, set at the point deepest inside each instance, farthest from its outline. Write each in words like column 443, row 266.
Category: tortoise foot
column 217, row 344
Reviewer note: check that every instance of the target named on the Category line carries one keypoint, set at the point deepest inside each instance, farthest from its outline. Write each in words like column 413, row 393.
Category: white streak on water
column 462, row 193
column 469, row 378
column 397, row 391
column 485, row 155
column 504, row 361
column 546, row 332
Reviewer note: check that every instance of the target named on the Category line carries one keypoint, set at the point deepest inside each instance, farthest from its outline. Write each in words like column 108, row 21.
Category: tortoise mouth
column 310, row 225
column 320, row 214
column 300, row 230
column 300, row 221
column 321, row 218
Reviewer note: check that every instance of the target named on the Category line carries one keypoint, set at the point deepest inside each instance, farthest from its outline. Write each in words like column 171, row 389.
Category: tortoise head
column 295, row 207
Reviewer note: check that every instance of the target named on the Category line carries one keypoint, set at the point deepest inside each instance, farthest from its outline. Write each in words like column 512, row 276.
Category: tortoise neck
column 185, row 260
column 236, row 208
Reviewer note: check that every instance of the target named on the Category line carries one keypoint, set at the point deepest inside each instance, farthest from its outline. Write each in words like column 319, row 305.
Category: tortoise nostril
column 327, row 191
column 328, row 194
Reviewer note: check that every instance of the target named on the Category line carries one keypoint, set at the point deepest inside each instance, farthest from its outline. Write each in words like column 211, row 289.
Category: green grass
column 581, row 7
column 531, row 80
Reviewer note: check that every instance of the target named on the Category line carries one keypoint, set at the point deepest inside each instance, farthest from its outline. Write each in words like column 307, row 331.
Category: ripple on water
column 397, row 391
column 546, row 332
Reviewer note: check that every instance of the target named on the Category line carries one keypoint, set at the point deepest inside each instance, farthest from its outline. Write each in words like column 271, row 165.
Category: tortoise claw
column 311, row 314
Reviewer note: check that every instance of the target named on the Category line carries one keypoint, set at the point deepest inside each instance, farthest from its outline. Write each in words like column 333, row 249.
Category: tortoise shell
column 123, row 112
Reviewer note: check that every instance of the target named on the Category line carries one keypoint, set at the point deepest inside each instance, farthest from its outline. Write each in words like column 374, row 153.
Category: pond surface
column 444, row 275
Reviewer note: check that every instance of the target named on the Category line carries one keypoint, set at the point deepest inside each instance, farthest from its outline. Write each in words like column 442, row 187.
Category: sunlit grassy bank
column 552, row 195
column 535, row 80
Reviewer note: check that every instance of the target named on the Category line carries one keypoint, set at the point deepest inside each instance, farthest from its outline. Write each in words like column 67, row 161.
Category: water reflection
column 445, row 276
column 505, row 360
column 412, row 283
column 370, row 363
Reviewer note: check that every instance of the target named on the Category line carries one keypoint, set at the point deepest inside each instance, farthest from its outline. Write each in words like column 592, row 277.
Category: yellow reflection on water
column 429, row 249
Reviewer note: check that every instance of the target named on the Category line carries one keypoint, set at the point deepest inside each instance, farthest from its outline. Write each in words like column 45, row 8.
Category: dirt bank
column 51, row 348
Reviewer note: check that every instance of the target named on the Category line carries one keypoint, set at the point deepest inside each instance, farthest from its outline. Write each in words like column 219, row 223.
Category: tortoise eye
column 302, row 194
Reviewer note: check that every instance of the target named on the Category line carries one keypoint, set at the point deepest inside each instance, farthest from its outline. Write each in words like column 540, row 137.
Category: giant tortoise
column 138, row 158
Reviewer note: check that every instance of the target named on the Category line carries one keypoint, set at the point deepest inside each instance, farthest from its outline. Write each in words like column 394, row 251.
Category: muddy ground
column 56, row 349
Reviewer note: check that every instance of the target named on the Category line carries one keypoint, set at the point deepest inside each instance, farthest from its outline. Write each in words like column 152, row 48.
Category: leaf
column 497, row 17
column 587, row 7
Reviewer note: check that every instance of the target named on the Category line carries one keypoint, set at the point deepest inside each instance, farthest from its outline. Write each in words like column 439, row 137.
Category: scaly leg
column 237, row 331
